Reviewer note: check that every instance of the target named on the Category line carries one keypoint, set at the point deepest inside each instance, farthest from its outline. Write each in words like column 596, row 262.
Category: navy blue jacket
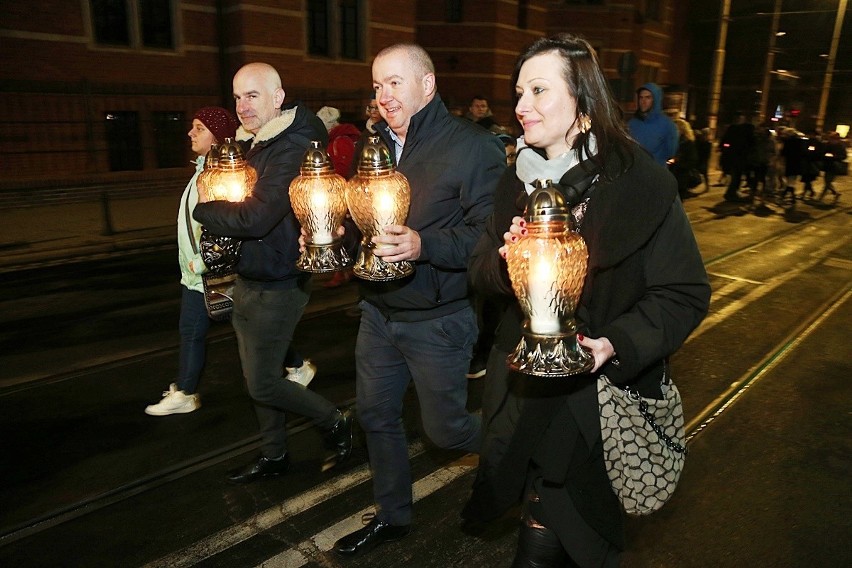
column 453, row 167
column 265, row 221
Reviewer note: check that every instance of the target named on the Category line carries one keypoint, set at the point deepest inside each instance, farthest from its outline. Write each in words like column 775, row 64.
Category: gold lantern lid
column 316, row 160
column 546, row 203
column 211, row 159
column 375, row 157
column 231, row 155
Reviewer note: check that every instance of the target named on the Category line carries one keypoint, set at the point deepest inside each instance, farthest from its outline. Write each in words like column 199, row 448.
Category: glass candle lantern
column 211, row 160
column 318, row 197
column 547, row 267
column 377, row 196
column 233, row 178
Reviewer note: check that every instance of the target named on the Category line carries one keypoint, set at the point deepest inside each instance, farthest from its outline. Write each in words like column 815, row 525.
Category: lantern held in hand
column 377, row 196
column 547, row 267
column 318, row 197
column 232, row 179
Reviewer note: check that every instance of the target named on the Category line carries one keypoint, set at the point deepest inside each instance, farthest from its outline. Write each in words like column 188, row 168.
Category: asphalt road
column 89, row 480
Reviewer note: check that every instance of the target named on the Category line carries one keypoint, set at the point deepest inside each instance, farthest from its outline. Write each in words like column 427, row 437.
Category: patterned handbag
column 643, row 444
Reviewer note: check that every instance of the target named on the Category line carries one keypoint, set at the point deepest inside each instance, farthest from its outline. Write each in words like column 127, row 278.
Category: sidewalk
column 54, row 234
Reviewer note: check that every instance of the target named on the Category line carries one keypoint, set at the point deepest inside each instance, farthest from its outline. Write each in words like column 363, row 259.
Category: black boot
column 339, row 439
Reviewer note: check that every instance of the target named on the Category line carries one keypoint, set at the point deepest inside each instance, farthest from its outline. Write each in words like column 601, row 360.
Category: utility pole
column 718, row 67
column 770, row 62
column 829, row 72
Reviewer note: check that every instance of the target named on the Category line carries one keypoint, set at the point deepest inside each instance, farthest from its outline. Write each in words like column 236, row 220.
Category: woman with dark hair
column 645, row 291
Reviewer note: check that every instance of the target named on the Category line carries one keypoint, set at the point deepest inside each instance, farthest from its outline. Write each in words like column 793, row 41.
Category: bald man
column 271, row 293
column 421, row 328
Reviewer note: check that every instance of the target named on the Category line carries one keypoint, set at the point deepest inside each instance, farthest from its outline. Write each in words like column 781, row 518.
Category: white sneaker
column 302, row 375
column 174, row 402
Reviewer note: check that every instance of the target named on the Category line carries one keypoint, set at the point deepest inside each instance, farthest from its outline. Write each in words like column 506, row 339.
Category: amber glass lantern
column 318, row 197
column 377, row 196
column 233, row 178
column 547, row 267
column 211, row 160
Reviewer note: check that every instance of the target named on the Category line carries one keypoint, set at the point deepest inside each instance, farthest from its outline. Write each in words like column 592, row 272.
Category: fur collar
column 269, row 130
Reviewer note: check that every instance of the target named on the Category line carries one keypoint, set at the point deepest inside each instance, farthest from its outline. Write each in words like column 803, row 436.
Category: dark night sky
column 809, row 25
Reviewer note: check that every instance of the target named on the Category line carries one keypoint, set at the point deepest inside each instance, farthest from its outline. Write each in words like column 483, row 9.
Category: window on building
column 654, row 10
column 123, row 141
column 350, row 29
column 109, row 19
column 133, row 23
column 170, row 139
column 336, row 28
column 453, row 11
column 155, row 17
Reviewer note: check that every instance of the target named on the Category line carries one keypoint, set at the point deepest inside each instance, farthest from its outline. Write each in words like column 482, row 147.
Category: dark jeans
column 193, row 327
column 435, row 354
column 264, row 321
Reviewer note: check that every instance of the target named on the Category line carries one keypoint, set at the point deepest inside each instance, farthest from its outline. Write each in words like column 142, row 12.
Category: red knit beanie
column 222, row 123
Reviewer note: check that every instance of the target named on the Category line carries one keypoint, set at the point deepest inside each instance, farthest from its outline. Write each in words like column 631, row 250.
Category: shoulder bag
column 643, row 443
column 220, row 255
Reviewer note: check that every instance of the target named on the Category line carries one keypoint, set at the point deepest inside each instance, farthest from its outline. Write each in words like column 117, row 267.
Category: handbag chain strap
column 643, row 410
column 646, row 414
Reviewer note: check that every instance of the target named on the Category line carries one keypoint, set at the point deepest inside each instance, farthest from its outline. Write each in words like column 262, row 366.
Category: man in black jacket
column 421, row 328
column 270, row 293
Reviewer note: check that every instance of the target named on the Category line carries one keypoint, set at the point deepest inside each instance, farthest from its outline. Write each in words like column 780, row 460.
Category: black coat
column 453, row 167
column 265, row 221
column 646, row 289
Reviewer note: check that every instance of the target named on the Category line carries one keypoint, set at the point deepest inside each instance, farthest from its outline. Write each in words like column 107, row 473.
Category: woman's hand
column 601, row 349
column 514, row 233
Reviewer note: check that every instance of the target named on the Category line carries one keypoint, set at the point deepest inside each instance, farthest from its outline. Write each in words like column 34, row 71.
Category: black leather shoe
column 339, row 439
column 263, row 467
column 366, row 539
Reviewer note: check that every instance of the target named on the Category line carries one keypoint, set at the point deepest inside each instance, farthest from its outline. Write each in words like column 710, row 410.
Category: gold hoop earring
column 585, row 122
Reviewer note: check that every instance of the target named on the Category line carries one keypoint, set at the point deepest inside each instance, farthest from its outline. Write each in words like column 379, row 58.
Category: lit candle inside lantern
column 383, row 202
column 542, row 297
column 384, row 206
column 319, row 214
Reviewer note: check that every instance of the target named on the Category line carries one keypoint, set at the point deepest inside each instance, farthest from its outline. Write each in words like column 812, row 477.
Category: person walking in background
column 812, row 154
column 371, row 109
column 644, row 292
column 210, row 125
column 703, row 149
column 650, row 127
column 834, row 163
column 480, row 113
column 761, row 156
column 685, row 162
column 420, row 329
column 342, row 138
column 271, row 293
column 738, row 142
column 792, row 150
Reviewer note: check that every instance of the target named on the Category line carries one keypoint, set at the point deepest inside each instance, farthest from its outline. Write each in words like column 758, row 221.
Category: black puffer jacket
column 453, row 167
column 265, row 221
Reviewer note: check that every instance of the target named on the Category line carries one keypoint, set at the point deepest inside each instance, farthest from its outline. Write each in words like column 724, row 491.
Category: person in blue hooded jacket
column 650, row 127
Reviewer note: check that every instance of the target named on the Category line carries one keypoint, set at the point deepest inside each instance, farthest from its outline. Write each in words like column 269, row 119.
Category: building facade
column 95, row 91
